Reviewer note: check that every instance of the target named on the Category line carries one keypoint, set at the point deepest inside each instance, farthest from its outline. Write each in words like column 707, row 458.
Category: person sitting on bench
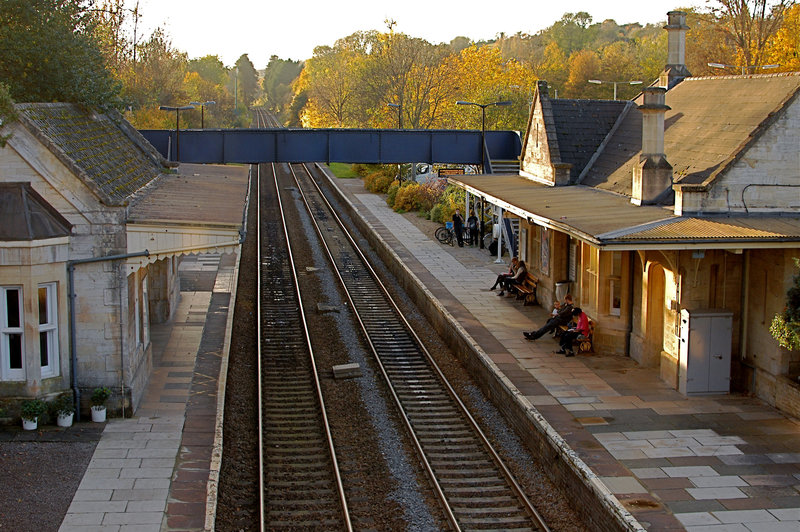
column 569, row 336
column 518, row 278
column 562, row 318
column 509, row 273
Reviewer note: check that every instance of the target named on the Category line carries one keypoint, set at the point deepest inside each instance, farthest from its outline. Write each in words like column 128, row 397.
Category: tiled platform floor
column 712, row 463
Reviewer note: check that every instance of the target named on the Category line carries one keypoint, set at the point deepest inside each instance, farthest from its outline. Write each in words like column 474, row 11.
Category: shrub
column 785, row 327
column 436, row 214
column 32, row 409
column 100, row 396
column 378, row 182
column 63, row 405
column 392, row 193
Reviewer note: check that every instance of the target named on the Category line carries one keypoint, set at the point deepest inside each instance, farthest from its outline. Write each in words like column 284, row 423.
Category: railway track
column 475, row 489
column 301, row 486
column 264, row 119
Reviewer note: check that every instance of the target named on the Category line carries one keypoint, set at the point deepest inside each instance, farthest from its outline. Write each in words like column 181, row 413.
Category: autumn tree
column 750, row 24
column 583, row 66
column 328, row 86
column 784, row 48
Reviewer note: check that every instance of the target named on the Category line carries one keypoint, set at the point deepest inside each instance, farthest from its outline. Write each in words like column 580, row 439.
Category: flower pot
column 65, row 420
column 98, row 414
column 30, row 424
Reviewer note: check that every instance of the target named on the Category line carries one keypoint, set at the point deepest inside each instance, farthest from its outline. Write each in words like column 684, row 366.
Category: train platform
column 707, row 463
column 152, row 472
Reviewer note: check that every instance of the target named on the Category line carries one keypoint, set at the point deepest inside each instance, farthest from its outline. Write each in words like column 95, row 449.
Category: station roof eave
column 198, row 210
column 610, row 221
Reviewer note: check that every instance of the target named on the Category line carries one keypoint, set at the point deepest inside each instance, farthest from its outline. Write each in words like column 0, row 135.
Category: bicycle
column 445, row 235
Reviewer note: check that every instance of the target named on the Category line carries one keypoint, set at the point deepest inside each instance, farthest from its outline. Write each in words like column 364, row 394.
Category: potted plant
column 99, row 397
column 64, row 409
column 30, row 412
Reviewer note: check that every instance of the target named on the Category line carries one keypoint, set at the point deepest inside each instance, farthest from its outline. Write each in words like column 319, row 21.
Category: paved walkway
column 150, row 473
column 712, row 463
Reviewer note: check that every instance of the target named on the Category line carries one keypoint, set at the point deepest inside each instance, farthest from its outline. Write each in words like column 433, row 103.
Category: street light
column 743, row 67
column 202, row 109
column 598, row 82
column 483, row 107
column 399, row 108
column 177, row 125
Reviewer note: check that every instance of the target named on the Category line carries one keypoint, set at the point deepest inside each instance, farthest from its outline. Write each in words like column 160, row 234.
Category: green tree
column 48, row 52
column 279, row 76
column 247, row 80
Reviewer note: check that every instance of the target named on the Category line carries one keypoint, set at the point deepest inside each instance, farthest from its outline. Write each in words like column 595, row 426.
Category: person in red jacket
column 569, row 336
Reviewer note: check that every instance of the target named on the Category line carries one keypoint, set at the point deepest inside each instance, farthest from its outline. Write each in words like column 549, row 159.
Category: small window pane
column 42, row 305
column 44, row 351
column 12, row 307
column 15, row 351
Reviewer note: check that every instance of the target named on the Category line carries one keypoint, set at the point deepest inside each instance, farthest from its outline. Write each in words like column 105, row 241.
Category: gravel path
column 41, row 471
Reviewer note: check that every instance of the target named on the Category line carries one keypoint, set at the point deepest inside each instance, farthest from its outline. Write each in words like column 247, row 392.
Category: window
column 615, row 284
column 11, row 340
column 48, row 329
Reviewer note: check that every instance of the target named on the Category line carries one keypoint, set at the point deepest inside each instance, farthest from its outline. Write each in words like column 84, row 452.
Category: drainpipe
column 72, row 329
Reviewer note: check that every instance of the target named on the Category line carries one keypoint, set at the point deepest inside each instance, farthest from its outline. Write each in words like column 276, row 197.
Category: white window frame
column 6, row 372
column 50, row 329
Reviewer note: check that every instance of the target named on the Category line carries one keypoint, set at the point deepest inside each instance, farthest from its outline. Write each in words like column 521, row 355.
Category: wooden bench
column 527, row 289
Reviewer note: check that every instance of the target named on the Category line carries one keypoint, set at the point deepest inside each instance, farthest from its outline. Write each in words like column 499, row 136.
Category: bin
column 562, row 289
column 449, row 225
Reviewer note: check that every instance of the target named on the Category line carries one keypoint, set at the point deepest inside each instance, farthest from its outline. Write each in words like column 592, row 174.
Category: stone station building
column 93, row 222
column 674, row 218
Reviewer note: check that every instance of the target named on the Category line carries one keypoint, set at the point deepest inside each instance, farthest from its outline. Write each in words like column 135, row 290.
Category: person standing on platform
column 472, row 225
column 458, row 227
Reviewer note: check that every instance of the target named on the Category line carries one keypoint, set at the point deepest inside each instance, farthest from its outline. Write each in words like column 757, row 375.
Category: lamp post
column 743, row 67
column 177, row 125
column 483, row 107
column 598, row 82
column 399, row 108
column 203, row 105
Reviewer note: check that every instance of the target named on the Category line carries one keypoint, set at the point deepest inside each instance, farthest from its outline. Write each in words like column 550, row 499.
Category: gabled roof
column 711, row 122
column 103, row 150
column 25, row 215
column 581, row 126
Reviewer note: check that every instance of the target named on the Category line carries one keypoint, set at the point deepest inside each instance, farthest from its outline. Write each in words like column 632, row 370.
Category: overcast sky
column 291, row 30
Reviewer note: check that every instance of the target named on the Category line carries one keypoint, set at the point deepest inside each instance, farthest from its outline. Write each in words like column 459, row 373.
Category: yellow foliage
column 784, row 48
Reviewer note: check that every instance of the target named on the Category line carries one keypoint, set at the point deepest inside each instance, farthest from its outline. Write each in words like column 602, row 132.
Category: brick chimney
column 676, row 69
column 652, row 177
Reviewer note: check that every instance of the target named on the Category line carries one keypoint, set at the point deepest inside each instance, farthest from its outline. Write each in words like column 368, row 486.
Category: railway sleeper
column 501, row 500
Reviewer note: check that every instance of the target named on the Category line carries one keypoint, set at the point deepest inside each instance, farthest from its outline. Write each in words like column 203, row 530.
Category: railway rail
column 301, row 485
column 474, row 487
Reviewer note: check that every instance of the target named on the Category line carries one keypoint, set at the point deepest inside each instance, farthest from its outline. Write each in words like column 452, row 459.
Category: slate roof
column 103, row 150
column 25, row 215
column 581, row 126
column 711, row 122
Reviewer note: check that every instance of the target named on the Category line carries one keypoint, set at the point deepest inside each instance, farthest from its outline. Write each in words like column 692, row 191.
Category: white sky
column 291, row 30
